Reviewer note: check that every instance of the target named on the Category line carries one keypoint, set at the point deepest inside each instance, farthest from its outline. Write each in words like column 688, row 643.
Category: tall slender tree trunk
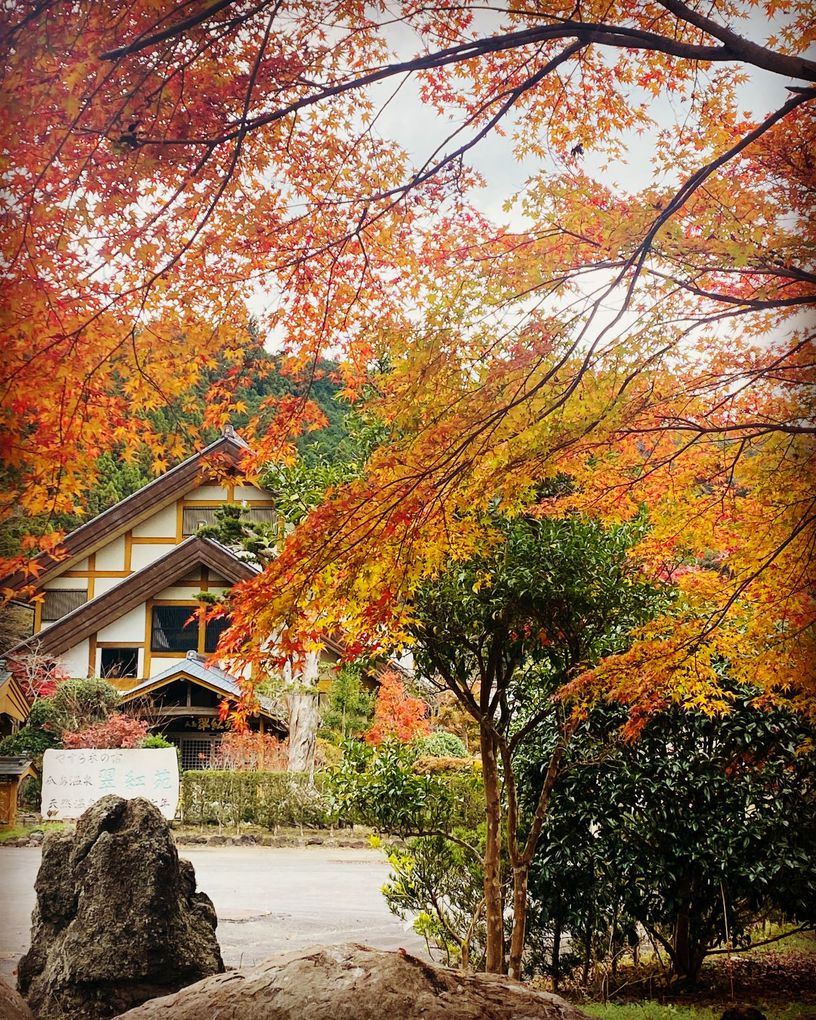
column 521, row 875
column 681, row 943
column 304, row 716
column 588, row 948
column 494, row 904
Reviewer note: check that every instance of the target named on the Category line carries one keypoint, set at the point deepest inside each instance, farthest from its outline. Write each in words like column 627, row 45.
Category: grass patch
column 797, row 942
column 648, row 1011
column 24, row 831
column 656, row 1011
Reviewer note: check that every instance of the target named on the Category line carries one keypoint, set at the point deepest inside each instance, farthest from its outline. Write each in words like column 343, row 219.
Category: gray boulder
column 118, row 919
column 351, row 982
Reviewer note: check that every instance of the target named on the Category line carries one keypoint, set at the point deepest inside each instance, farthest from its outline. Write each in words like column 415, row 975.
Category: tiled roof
column 133, row 508
column 195, row 666
column 13, row 765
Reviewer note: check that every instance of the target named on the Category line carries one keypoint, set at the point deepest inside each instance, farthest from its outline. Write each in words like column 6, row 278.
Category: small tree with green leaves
column 505, row 632
column 75, row 704
column 349, row 706
column 694, row 832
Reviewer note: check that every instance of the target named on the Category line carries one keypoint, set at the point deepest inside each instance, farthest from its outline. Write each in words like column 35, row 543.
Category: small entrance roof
column 15, row 766
column 13, row 701
column 196, row 669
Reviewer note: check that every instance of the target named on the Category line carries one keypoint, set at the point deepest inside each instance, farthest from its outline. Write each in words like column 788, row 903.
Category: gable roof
column 13, row 701
column 196, row 669
column 133, row 509
column 92, row 616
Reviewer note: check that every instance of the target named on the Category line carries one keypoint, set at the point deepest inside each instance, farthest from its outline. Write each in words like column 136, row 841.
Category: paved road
column 267, row 900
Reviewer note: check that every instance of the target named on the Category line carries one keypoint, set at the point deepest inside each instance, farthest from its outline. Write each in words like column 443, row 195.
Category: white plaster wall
column 160, row 664
column 82, row 565
column 112, row 555
column 160, row 525
column 216, row 492
column 250, row 493
column 103, row 584
column 130, row 627
column 186, row 591
column 75, row 660
column 66, row 584
column 142, row 555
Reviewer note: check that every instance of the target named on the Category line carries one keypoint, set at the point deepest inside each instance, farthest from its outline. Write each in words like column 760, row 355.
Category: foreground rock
column 352, row 982
column 117, row 920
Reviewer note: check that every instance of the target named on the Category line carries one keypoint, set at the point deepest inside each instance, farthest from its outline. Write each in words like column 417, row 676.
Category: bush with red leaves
column 117, row 731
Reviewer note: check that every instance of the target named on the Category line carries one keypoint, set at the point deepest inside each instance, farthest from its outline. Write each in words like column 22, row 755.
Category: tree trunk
column 304, row 716
column 556, row 955
column 520, row 878
column 494, row 906
column 587, row 950
column 681, row 943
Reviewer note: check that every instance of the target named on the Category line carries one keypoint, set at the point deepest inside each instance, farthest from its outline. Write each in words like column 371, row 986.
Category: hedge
column 279, row 799
column 268, row 799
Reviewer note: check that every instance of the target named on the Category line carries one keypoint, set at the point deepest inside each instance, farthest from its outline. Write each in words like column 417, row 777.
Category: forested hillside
column 259, row 384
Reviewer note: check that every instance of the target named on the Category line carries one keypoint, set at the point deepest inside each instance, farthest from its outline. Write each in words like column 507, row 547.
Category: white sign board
column 73, row 780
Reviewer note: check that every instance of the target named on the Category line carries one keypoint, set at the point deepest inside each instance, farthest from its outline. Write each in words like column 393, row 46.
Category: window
column 59, row 602
column 170, row 631
column 214, row 630
column 195, row 516
column 119, row 662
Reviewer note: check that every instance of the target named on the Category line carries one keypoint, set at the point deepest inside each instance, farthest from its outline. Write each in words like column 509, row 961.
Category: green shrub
column 29, row 741
column 441, row 744
column 268, row 799
column 156, row 740
column 381, row 787
column 327, row 755
column 30, row 793
column 76, row 704
column 430, row 765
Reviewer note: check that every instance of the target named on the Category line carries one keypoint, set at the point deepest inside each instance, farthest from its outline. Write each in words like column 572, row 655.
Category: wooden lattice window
column 59, row 602
column 172, row 629
column 194, row 516
column 196, row 753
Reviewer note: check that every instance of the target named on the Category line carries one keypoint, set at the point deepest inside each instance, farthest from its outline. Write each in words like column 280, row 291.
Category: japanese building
column 121, row 603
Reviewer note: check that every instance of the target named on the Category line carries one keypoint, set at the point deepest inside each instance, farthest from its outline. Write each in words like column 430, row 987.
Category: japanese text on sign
column 73, row 780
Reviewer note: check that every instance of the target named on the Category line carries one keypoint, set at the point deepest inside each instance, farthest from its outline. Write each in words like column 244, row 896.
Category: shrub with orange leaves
column 396, row 714
column 249, row 751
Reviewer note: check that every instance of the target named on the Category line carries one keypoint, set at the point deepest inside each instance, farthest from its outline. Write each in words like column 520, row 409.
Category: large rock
column 117, row 920
column 355, row 983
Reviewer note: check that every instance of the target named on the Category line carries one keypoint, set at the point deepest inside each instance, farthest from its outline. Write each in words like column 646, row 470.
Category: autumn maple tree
column 638, row 345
